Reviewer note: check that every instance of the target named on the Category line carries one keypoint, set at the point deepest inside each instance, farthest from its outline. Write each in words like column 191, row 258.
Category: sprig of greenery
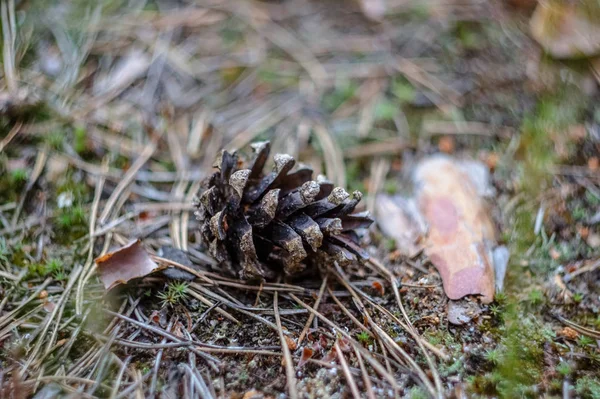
column 176, row 292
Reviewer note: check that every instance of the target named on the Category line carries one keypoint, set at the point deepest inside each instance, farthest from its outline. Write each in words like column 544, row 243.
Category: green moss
column 536, row 297
column 588, row 387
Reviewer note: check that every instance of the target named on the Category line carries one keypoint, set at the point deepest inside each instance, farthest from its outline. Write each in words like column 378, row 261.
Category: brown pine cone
column 256, row 224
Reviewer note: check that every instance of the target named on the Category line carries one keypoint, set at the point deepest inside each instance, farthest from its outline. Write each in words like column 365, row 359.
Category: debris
column 124, row 264
column 400, row 219
column 461, row 233
column 567, row 29
column 462, row 311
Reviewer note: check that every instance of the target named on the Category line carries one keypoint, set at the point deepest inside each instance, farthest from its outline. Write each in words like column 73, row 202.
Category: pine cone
column 256, row 224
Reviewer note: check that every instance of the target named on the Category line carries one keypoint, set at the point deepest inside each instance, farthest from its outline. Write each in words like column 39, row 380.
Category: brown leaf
column 378, row 287
column 307, row 353
column 124, row 264
column 461, row 233
column 567, row 29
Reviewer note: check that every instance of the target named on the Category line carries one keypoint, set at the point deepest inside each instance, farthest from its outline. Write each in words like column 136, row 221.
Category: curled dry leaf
column 567, row 29
column 307, row 353
column 124, row 264
column 461, row 234
column 377, row 286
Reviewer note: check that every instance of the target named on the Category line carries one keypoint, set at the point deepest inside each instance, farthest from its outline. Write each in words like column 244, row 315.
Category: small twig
column 11, row 135
column 346, row 370
column 116, row 386
column 287, row 356
column 87, row 268
column 365, row 375
column 311, row 315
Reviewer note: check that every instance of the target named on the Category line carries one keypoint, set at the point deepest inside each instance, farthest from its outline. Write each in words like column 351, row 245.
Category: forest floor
column 112, row 115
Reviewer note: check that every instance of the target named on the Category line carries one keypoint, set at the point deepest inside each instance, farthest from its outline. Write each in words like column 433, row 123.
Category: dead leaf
column 307, row 353
column 124, row 264
column 399, row 218
column 461, row 234
column 378, row 287
column 567, row 29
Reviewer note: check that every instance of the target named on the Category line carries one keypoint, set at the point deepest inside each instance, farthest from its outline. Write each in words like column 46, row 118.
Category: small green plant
column 55, row 140
column 579, row 213
column 564, row 369
column 500, row 298
column 417, row 393
column 577, row 297
column 176, row 292
column 18, row 176
column 493, row 356
column 535, row 297
column 69, row 217
column 363, row 337
column 80, row 140
column 55, row 269
column 584, row 340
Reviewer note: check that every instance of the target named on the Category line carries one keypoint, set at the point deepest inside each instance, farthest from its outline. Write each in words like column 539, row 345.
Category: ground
column 112, row 114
